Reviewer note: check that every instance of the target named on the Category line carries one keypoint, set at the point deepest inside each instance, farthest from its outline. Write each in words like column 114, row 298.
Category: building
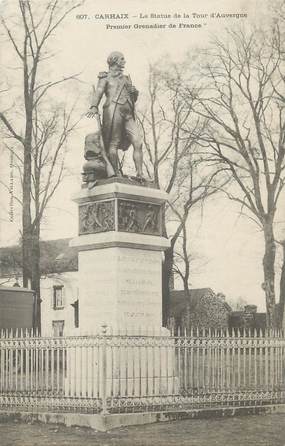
column 59, row 283
column 248, row 318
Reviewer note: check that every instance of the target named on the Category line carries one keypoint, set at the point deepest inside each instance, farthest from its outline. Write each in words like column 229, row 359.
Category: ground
column 261, row 430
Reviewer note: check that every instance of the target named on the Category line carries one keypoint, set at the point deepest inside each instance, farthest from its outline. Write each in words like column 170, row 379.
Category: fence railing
column 127, row 372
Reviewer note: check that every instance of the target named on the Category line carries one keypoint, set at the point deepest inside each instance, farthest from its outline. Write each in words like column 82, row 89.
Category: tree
column 181, row 260
column 172, row 160
column 238, row 303
column 29, row 39
column 240, row 93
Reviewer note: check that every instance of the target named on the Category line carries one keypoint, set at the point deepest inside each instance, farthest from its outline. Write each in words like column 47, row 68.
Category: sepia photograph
column 142, row 222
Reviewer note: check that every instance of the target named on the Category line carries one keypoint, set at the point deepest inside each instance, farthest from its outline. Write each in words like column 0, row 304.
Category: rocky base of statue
column 96, row 169
column 93, row 176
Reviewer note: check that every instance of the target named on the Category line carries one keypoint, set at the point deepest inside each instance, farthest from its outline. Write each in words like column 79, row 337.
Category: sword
column 109, row 168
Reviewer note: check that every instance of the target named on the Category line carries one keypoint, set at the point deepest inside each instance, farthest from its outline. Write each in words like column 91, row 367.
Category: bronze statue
column 119, row 129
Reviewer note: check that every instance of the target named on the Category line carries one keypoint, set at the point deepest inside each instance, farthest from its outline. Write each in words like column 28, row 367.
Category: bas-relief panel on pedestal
column 138, row 217
column 135, row 217
column 97, row 217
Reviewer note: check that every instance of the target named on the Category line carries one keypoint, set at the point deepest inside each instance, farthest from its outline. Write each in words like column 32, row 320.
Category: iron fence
column 127, row 372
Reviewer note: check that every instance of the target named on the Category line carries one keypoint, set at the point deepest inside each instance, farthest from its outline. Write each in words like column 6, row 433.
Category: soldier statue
column 119, row 126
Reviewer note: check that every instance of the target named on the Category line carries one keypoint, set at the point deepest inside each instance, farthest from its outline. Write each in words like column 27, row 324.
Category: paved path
column 268, row 430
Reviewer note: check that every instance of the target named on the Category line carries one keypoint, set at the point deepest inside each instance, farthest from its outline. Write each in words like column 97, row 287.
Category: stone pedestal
column 120, row 247
column 121, row 367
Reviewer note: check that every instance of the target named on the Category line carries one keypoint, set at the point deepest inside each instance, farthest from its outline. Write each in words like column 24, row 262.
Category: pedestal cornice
column 121, row 239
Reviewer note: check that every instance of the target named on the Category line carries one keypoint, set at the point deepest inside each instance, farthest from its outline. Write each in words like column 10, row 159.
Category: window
column 58, row 297
column 57, row 328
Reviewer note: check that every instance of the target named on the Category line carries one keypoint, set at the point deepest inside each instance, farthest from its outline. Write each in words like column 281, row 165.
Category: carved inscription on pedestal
column 97, row 217
column 139, row 288
column 142, row 218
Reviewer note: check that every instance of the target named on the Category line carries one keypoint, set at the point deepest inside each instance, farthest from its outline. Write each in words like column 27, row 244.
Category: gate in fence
column 129, row 373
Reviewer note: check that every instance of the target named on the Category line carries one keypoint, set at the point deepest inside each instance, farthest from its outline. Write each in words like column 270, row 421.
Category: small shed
column 16, row 307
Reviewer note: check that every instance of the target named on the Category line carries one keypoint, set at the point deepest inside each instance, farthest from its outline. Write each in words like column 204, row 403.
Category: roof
column 179, row 301
column 56, row 257
column 14, row 289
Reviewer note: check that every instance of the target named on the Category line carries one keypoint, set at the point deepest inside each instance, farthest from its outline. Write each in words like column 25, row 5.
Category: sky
column 227, row 247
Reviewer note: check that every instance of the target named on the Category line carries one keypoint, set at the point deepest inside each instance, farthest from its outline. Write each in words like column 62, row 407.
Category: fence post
column 104, row 371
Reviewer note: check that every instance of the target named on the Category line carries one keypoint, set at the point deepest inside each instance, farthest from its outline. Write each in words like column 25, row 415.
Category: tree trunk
column 282, row 291
column 187, row 264
column 27, row 180
column 26, row 218
column 269, row 273
column 166, row 274
column 186, row 286
column 36, row 277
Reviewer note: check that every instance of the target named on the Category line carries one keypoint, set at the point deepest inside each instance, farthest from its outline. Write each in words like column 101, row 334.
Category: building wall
column 53, row 314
